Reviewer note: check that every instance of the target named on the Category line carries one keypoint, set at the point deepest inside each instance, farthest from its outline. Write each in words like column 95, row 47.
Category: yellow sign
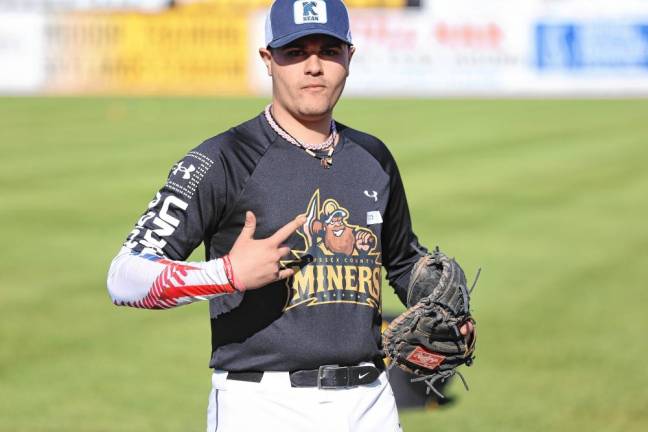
column 175, row 52
column 266, row 3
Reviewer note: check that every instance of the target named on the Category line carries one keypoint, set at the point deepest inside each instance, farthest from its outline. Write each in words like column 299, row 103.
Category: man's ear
column 352, row 50
column 266, row 56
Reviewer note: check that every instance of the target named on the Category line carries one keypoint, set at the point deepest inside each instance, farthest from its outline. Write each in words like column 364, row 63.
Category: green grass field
column 549, row 197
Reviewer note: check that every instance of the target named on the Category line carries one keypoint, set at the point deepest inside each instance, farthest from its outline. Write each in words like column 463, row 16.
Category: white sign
column 495, row 48
column 22, row 52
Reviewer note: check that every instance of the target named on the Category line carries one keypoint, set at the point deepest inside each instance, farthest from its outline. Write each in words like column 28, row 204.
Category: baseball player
column 298, row 214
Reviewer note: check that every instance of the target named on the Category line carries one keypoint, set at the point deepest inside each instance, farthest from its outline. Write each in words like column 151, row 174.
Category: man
column 310, row 225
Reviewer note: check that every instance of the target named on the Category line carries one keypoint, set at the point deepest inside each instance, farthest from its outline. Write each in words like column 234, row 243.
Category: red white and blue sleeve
column 150, row 270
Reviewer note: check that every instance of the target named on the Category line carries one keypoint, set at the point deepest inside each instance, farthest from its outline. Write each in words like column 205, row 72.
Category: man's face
column 308, row 75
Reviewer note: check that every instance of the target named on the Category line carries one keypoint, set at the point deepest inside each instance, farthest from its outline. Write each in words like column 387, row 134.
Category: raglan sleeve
column 150, row 271
column 399, row 243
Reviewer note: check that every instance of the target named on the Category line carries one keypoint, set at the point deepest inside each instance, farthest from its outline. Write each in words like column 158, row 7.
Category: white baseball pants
column 273, row 405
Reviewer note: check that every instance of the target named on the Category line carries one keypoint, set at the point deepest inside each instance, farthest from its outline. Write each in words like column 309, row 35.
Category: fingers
column 258, row 261
column 285, row 273
column 249, row 227
column 287, row 230
column 283, row 251
column 468, row 332
column 466, row 328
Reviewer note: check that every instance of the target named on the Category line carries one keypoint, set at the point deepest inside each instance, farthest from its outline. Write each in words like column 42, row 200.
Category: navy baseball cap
column 289, row 20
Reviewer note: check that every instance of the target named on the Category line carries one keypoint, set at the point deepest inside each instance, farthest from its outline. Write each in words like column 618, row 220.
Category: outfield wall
column 404, row 48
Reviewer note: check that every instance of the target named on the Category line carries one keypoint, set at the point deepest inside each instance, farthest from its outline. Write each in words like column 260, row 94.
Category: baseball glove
column 425, row 340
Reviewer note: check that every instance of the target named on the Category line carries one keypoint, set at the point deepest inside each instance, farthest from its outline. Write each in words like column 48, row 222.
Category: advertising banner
column 590, row 48
column 263, row 4
column 77, row 5
column 404, row 48
column 494, row 49
column 22, row 66
column 595, row 46
column 176, row 53
column 446, row 48
column 454, row 47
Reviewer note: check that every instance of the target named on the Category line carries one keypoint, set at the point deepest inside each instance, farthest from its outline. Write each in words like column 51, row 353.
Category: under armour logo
column 373, row 195
column 309, row 9
column 186, row 171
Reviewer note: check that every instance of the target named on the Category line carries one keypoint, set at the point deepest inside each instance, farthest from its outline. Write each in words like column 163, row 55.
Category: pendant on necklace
column 326, row 162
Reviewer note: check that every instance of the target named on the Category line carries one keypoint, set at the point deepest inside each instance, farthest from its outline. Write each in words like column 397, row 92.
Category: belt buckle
column 320, row 376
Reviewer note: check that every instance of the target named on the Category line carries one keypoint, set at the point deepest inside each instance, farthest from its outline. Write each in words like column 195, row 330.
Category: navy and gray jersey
column 357, row 222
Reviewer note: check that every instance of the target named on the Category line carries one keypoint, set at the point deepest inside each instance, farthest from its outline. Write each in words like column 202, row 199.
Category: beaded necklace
column 327, row 160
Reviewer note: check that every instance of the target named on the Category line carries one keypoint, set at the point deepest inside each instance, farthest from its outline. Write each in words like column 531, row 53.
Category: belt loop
column 348, row 377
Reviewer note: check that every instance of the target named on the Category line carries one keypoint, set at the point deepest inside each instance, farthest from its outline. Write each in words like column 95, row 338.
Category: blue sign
column 591, row 46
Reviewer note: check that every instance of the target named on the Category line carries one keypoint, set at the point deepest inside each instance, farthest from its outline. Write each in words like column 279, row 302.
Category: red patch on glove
column 425, row 358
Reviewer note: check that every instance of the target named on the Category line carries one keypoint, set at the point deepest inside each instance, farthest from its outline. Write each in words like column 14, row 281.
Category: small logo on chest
column 373, row 195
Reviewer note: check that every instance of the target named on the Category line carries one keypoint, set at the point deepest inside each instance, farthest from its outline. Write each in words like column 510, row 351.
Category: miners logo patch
column 343, row 259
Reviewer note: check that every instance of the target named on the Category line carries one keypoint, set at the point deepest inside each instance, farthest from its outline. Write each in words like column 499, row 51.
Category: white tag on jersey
column 310, row 11
column 374, row 218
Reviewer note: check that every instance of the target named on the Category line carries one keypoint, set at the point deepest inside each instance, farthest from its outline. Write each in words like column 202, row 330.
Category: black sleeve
column 185, row 210
column 397, row 236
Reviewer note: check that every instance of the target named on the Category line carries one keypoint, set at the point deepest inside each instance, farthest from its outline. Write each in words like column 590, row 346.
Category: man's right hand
column 255, row 263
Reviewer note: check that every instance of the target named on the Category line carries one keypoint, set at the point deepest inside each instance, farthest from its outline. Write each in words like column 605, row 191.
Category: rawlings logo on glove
column 426, row 340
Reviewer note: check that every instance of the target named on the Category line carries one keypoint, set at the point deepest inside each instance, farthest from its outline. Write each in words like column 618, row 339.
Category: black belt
column 326, row 377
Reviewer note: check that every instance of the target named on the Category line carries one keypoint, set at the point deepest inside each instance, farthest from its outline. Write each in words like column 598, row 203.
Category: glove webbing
column 443, row 376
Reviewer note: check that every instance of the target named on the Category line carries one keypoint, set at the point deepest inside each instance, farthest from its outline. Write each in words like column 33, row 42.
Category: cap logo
column 312, row 11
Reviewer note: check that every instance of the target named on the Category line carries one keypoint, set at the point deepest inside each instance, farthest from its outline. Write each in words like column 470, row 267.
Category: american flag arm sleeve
column 153, row 282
